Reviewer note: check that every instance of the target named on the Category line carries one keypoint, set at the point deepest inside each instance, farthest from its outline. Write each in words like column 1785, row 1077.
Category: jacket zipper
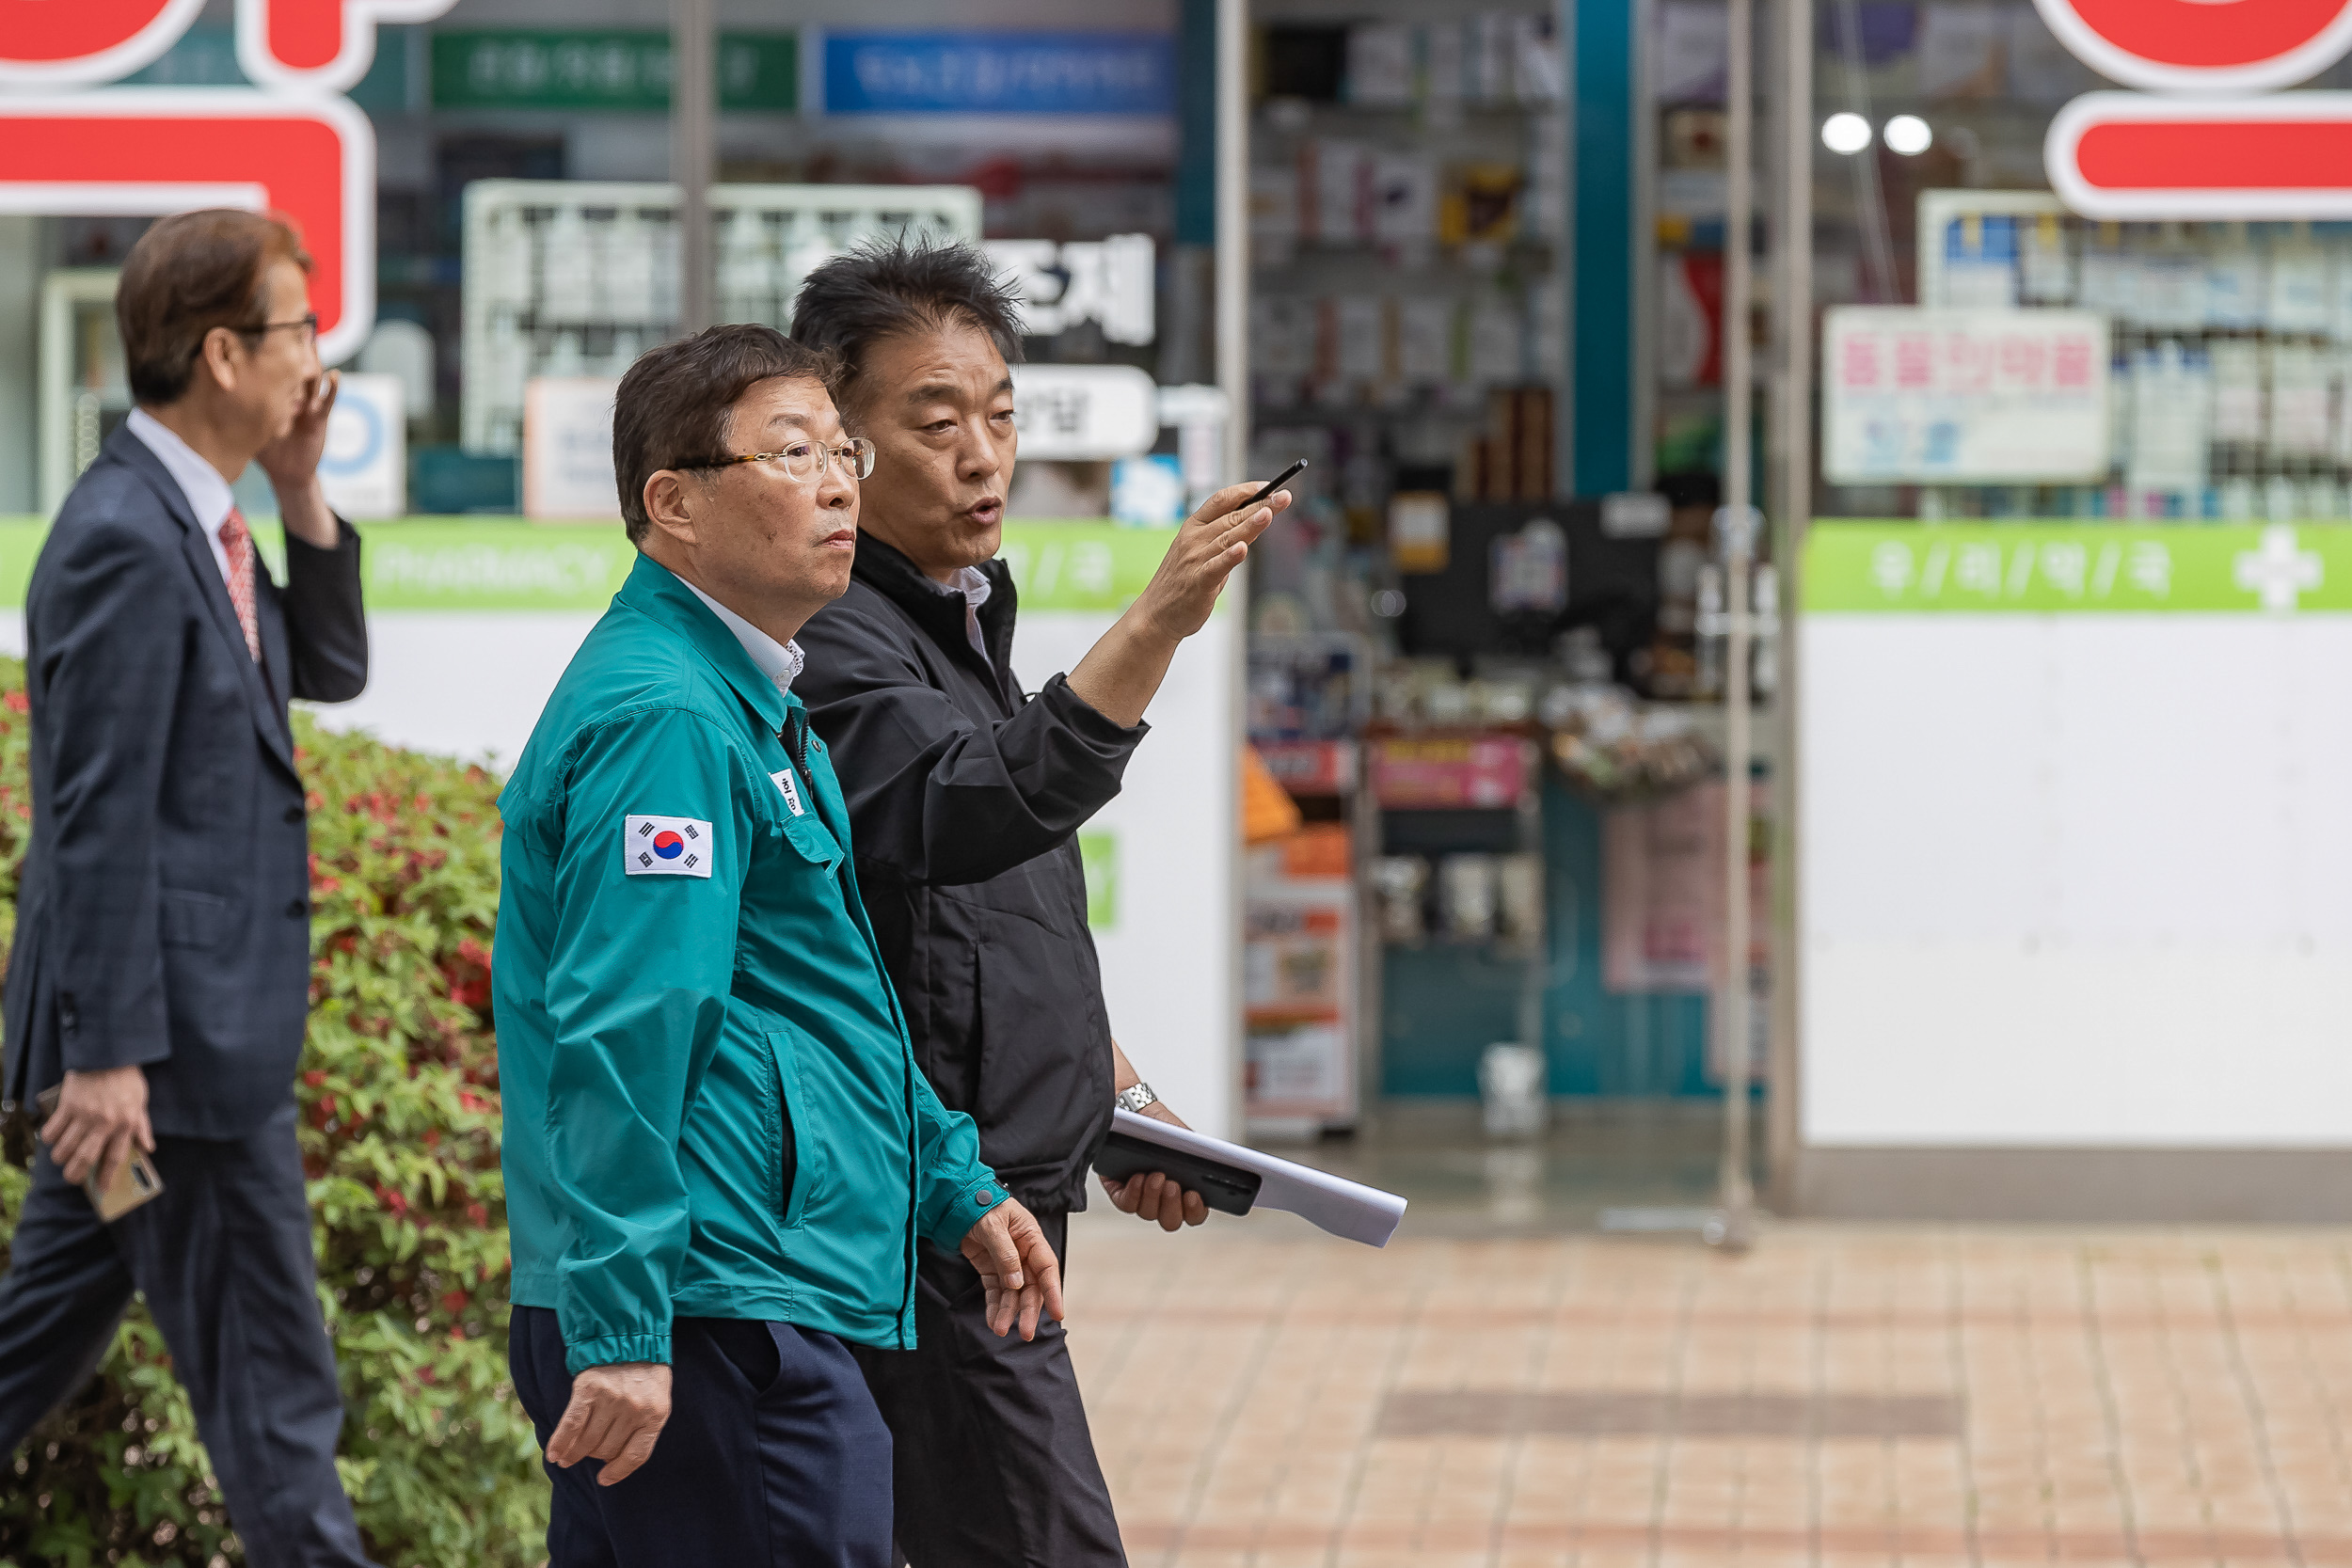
column 794, row 737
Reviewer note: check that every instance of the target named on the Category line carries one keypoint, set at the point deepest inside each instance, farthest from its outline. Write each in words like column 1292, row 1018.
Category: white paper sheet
column 1344, row 1208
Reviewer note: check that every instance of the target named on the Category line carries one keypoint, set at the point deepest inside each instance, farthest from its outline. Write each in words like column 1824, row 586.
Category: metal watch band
column 1137, row 1096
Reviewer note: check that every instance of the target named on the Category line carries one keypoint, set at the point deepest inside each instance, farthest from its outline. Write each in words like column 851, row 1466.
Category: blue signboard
column 1020, row 74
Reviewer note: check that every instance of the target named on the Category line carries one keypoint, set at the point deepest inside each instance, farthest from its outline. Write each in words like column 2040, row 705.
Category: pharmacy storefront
column 2072, row 907
column 486, row 192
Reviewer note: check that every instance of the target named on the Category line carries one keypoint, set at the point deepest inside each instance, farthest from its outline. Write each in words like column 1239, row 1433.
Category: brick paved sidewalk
column 1937, row 1398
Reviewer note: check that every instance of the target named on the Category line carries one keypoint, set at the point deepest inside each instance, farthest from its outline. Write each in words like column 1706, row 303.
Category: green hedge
column 399, row 1119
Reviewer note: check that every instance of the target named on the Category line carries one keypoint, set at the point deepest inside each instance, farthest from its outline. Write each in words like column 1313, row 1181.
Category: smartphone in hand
column 133, row 1186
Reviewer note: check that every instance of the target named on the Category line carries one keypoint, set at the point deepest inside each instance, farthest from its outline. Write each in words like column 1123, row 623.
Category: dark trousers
column 773, row 1456
column 223, row 1257
column 995, row 1468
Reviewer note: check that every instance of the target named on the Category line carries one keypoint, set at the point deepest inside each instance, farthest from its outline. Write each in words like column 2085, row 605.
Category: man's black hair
column 892, row 288
column 673, row 408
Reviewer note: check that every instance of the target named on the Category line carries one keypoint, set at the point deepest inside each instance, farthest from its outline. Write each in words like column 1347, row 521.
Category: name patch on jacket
column 665, row 847
column 791, row 795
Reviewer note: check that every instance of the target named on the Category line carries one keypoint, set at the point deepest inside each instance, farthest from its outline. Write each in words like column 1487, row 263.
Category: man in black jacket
column 162, row 969
column 964, row 794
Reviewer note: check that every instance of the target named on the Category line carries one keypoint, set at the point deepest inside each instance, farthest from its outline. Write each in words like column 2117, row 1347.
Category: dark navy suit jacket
column 164, row 913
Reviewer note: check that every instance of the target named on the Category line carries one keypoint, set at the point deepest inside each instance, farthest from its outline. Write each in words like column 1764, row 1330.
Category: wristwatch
column 1135, row 1097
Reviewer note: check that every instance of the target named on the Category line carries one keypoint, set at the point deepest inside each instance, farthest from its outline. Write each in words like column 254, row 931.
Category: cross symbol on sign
column 2279, row 570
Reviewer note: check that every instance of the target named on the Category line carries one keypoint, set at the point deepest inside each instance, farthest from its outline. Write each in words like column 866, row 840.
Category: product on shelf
column 1691, row 319
column 1519, row 897
column 1613, row 748
column 1399, row 885
column 1530, row 570
column 1420, row 529
column 1468, row 897
column 1512, row 458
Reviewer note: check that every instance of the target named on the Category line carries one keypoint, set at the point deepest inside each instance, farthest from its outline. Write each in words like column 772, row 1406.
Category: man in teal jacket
column 718, row 1153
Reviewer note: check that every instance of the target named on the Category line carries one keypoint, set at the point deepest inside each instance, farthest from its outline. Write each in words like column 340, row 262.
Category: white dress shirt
column 200, row 481
column 780, row 662
column 976, row 590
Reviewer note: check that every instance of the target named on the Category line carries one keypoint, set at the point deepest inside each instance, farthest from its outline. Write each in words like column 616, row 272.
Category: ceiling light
column 1909, row 136
column 1846, row 133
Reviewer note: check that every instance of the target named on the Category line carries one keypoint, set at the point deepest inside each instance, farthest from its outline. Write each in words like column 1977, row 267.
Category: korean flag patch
column 791, row 793
column 665, row 847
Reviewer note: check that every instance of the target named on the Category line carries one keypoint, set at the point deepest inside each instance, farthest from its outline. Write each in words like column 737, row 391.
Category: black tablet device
column 1228, row 1188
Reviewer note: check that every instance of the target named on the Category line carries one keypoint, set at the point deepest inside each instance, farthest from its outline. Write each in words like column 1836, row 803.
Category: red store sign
column 2208, row 136
column 294, row 144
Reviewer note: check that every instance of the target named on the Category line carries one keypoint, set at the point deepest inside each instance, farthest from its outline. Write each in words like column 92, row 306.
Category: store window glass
column 2181, row 370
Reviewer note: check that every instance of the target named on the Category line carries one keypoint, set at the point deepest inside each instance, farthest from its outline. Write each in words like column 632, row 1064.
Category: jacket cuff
column 1091, row 727
column 82, row 1048
column 346, row 541
column 615, row 1348
column 979, row 1194
column 88, row 1055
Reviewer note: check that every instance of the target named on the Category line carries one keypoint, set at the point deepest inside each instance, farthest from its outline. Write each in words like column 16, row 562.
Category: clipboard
column 1346, row 1208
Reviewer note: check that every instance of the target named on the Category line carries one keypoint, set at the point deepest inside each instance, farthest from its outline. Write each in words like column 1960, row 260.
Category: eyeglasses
column 307, row 325
column 803, row 460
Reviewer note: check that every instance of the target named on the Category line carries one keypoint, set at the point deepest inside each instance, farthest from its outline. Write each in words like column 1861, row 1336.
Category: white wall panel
column 2077, row 881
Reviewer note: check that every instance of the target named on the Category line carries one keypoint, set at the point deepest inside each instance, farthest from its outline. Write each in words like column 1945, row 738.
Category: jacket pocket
column 811, row 841
column 796, row 1157
column 192, row 919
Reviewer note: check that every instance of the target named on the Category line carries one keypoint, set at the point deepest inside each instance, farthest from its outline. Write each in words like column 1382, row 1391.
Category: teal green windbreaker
column 686, row 986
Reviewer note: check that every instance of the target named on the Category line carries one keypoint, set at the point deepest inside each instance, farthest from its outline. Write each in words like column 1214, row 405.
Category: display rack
column 1310, row 960
column 1467, row 808
column 1409, row 194
column 2231, row 389
column 575, row 277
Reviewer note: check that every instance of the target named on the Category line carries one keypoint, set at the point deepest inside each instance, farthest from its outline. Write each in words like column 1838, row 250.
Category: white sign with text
column 1964, row 397
column 1084, row 413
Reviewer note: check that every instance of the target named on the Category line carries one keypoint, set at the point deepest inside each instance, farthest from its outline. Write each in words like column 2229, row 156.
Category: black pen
column 1273, row 484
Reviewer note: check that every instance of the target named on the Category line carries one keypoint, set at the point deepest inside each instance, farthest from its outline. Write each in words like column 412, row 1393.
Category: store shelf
column 574, row 278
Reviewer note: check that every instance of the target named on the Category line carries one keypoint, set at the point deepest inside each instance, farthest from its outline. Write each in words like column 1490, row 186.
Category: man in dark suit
column 160, row 974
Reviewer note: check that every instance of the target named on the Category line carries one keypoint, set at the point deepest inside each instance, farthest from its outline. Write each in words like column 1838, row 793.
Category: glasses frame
column 855, row 456
column 309, row 321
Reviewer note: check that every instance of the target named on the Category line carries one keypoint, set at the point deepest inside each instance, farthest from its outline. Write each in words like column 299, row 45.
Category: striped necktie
column 238, row 540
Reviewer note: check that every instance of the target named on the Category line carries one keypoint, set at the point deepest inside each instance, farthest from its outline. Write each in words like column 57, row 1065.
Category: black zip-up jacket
column 965, row 795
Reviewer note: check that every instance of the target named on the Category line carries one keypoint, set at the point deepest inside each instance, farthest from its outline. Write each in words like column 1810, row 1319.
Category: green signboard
column 508, row 565
column 614, row 69
column 2275, row 568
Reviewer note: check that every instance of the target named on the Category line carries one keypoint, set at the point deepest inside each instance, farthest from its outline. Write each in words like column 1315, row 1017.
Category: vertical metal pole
column 1232, row 228
column 1233, row 374
column 1792, row 415
column 1643, row 461
column 1735, row 526
column 693, row 122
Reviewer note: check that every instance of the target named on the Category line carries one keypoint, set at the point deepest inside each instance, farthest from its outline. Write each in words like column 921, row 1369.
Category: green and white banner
column 505, row 565
column 2041, row 569
column 471, row 622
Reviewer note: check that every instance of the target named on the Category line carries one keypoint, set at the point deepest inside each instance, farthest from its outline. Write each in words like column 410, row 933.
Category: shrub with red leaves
column 399, row 1128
